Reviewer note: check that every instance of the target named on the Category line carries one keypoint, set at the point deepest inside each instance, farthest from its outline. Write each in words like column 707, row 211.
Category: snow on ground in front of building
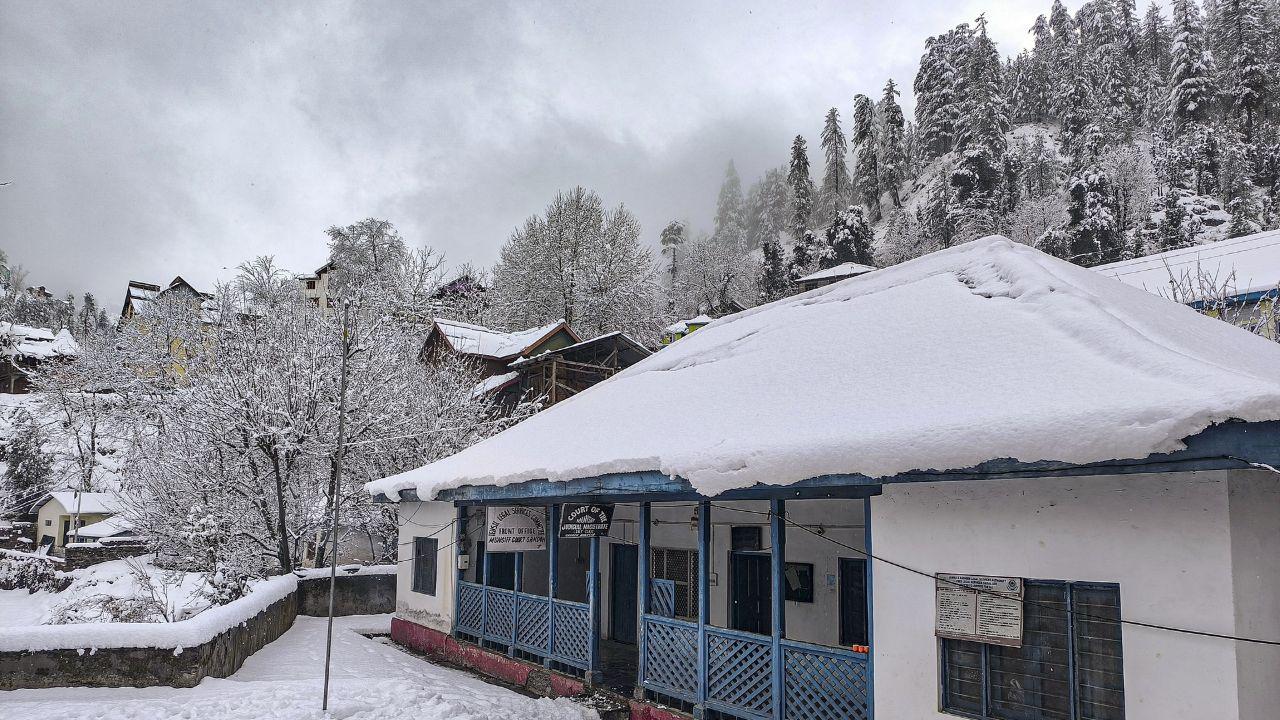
column 115, row 578
column 372, row 680
column 982, row 351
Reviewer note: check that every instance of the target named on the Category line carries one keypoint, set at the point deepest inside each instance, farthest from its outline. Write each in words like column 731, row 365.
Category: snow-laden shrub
column 105, row 609
column 31, row 574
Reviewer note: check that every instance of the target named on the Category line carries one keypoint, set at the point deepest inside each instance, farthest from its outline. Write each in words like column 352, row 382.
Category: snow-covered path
column 371, row 681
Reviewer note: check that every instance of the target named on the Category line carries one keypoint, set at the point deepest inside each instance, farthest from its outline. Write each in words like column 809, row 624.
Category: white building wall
column 423, row 519
column 1255, row 561
column 1168, row 540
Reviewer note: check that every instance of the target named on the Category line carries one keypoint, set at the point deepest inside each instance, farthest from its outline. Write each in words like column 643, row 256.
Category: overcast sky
column 144, row 141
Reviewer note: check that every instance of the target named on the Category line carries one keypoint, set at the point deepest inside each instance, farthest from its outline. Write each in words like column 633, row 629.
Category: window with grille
column 680, row 567
column 1068, row 668
column 424, row 565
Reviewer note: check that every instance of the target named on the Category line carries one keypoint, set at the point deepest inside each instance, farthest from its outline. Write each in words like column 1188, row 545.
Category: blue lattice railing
column 818, row 682
column 671, row 657
column 504, row 616
column 739, row 672
column 822, row 682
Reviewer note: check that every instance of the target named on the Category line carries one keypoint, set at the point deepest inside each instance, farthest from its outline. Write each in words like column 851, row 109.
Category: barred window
column 680, row 567
column 1070, row 665
column 424, row 565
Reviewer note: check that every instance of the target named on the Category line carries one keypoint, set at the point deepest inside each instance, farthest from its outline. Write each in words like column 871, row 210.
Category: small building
column 315, row 287
column 494, row 350
column 1237, row 279
column 681, row 328
column 560, row 374
column 143, row 298
column 984, row 483
column 56, row 511
column 24, row 349
column 843, row 271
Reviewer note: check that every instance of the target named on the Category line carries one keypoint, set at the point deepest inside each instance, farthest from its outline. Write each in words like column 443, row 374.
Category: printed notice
column 515, row 529
column 981, row 608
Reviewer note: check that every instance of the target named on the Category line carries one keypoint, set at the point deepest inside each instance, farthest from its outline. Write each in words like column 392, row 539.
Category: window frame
column 1073, row 668
column 417, row 583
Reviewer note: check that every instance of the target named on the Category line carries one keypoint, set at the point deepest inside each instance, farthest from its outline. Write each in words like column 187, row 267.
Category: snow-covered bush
column 32, row 574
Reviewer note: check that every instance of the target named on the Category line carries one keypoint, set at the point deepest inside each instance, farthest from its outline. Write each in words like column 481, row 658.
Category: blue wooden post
column 484, row 594
column 593, row 604
column 704, row 600
column 642, row 592
column 871, row 643
column 460, row 539
column 517, row 583
column 553, row 560
column 778, row 594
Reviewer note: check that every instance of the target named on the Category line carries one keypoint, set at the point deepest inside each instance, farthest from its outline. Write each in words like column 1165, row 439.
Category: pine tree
column 1247, row 76
column 1154, row 51
column 848, row 239
column 804, row 254
column 671, row 239
column 1095, row 238
column 1036, row 86
column 1191, row 92
column 730, row 223
column 29, row 467
column 937, row 89
column 1064, row 61
column 980, row 136
column 836, row 184
column 866, row 169
column 892, row 158
column 774, row 279
column 88, row 318
column 801, row 188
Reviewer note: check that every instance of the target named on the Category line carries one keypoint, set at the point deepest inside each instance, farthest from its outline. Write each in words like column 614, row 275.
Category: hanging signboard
column 981, row 608
column 586, row 521
column 515, row 529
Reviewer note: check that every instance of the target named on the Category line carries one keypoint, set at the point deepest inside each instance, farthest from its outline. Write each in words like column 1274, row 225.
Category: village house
column 315, row 287
column 141, row 298
column 1237, row 279
column 95, row 514
column 24, row 348
column 984, row 483
column 681, row 328
column 835, row 274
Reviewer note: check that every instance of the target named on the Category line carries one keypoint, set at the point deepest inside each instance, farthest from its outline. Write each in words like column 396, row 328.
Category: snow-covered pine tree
column 671, row 239
column 1095, row 238
column 848, row 239
column 980, row 137
column 1065, row 57
column 731, row 226
column 866, row 170
column 1036, row 87
column 937, row 91
column 802, row 190
column 1154, row 53
column 837, row 187
column 87, row 320
column 892, row 153
column 804, row 255
column 1192, row 92
column 29, row 467
column 1247, row 86
column 774, row 280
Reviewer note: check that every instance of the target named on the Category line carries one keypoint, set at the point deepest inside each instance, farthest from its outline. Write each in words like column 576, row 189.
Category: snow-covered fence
column 214, row 643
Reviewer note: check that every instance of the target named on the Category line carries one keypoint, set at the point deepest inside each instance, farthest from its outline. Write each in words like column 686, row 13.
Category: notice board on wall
column 981, row 608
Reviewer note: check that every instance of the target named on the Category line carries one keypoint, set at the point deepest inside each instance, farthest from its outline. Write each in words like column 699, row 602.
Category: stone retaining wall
column 142, row 667
column 363, row 594
column 82, row 555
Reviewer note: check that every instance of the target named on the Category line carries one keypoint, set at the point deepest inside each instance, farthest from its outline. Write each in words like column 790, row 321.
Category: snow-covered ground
column 372, row 680
column 178, row 593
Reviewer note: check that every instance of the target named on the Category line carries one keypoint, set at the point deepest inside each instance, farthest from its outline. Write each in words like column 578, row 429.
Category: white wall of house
column 423, row 519
column 1192, row 550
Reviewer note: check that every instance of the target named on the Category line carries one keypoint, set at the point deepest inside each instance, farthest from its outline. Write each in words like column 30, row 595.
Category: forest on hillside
column 1117, row 134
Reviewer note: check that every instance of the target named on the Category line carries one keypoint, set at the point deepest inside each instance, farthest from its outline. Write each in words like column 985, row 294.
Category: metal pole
column 778, row 590
column 642, row 592
column 337, row 487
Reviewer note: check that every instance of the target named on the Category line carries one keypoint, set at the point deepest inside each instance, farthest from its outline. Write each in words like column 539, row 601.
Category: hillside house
column 315, row 287
column 559, row 374
column 984, row 483
column 681, row 328
column 143, row 298
column 24, row 349
column 57, row 512
column 835, row 274
column 1237, row 279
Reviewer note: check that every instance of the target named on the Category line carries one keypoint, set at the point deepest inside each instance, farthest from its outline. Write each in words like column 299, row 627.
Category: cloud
column 151, row 140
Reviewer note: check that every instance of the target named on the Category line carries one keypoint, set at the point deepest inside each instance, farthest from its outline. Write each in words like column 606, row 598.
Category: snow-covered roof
column 982, row 351
column 478, row 340
column 683, row 325
column 89, row 503
column 113, row 525
column 493, row 382
column 1254, row 260
column 843, row 270
column 39, row 343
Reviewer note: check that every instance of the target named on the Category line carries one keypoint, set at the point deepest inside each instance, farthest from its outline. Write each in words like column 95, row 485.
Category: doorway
column 750, row 592
column 853, row 601
column 622, row 582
